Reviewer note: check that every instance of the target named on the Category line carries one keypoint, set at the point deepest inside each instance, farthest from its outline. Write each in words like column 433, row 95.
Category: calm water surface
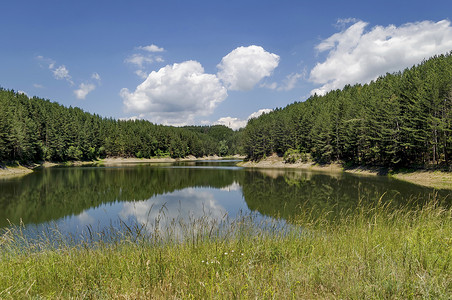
column 75, row 198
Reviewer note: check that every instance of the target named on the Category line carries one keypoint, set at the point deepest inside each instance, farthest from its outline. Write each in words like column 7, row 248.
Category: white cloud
column 151, row 48
column 236, row 123
column 244, row 67
column 357, row 56
column 341, row 23
column 139, row 60
column 44, row 60
column 271, row 86
column 288, row 83
column 233, row 123
column 175, row 94
column 61, row 72
column 259, row 112
column 291, row 81
column 96, row 76
column 141, row 74
column 84, row 90
column 38, row 86
column 22, row 92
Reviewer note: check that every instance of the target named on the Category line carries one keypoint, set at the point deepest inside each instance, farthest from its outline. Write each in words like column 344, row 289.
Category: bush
column 293, row 156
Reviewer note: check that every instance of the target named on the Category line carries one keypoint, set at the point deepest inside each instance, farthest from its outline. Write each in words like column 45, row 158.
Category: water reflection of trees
column 285, row 194
column 52, row 194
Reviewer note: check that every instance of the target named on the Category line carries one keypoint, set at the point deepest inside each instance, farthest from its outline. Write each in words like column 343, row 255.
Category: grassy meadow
column 372, row 253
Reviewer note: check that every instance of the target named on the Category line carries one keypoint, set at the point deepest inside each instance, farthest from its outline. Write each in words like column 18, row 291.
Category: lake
column 77, row 199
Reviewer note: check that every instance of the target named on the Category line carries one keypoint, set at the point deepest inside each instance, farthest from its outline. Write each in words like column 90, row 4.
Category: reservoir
column 94, row 198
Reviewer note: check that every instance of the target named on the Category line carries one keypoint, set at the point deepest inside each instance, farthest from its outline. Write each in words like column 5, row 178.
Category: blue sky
column 208, row 62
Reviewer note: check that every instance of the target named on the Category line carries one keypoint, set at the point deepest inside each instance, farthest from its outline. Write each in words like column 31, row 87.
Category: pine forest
column 400, row 119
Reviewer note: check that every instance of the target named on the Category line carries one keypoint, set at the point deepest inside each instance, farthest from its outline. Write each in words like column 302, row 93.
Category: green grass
column 370, row 253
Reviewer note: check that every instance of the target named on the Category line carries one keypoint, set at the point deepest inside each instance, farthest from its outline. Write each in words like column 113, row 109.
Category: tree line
column 34, row 129
column 400, row 119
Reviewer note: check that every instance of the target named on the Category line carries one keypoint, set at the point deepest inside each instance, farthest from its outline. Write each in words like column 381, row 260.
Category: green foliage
column 74, row 153
column 224, row 137
column 33, row 129
column 292, row 156
column 400, row 119
column 223, row 148
column 374, row 253
column 102, row 152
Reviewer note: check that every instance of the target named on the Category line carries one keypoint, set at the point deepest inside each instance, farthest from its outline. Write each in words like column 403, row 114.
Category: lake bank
column 133, row 160
column 17, row 170
column 428, row 178
column 14, row 171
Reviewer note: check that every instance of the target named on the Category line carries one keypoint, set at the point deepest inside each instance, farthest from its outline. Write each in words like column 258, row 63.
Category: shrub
column 294, row 155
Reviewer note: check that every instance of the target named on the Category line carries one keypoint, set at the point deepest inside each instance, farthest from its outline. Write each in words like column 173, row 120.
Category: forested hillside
column 400, row 119
column 33, row 129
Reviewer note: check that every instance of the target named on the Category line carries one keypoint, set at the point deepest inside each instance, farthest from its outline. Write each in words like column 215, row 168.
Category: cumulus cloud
column 233, row 123
column 236, row 123
column 244, row 67
column 151, row 48
column 175, row 94
column 84, row 90
column 22, row 92
column 359, row 56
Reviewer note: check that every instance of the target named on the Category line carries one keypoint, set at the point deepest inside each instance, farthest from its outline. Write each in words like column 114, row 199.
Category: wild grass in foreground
column 368, row 253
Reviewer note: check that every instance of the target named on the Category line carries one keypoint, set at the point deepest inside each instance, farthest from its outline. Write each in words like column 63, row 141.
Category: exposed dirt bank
column 132, row 160
column 13, row 171
column 278, row 162
column 434, row 179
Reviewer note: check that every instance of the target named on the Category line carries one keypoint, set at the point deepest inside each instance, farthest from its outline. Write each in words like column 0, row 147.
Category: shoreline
column 16, row 170
column 122, row 160
column 427, row 178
